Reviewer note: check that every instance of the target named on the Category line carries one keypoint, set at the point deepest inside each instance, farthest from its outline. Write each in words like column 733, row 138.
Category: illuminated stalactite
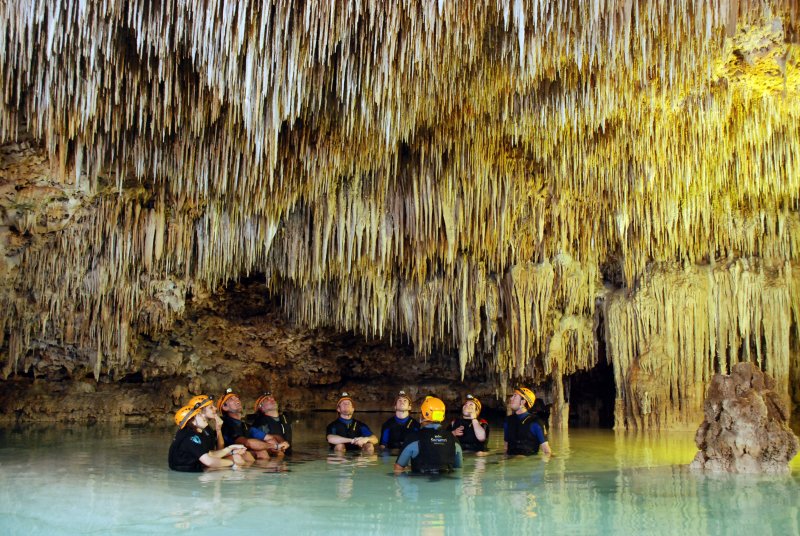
column 465, row 176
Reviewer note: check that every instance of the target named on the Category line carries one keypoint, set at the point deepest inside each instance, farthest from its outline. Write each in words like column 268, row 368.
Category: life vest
column 469, row 441
column 272, row 426
column 437, row 451
column 233, row 429
column 399, row 432
column 519, row 437
column 349, row 431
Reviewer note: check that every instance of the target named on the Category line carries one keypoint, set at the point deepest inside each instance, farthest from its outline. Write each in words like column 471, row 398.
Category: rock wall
column 746, row 425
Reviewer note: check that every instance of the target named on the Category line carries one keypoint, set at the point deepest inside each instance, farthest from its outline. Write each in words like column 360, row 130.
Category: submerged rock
column 746, row 427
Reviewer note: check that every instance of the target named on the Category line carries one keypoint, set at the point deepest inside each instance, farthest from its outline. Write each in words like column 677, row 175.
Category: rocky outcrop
column 746, row 425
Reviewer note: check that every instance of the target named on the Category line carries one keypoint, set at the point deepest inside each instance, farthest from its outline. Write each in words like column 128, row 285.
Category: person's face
column 233, row 405
column 515, row 402
column 269, row 404
column 402, row 404
column 200, row 421
column 469, row 409
column 209, row 412
column 345, row 409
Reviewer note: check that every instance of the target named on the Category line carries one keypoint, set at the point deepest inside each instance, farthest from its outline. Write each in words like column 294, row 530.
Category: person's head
column 192, row 415
column 432, row 409
column 523, row 398
column 402, row 402
column 229, row 403
column 208, row 409
column 266, row 403
column 471, row 406
column 345, row 406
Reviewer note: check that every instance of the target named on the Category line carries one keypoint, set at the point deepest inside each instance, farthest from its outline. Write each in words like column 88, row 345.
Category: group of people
column 217, row 435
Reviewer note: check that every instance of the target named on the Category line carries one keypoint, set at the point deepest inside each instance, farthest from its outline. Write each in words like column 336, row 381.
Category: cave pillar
column 559, row 413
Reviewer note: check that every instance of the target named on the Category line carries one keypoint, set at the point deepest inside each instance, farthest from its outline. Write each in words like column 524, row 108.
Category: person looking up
column 235, row 430
column 521, row 432
column 472, row 433
column 271, row 426
column 396, row 428
column 347, row 433
column 193, row 450
column 433, row 450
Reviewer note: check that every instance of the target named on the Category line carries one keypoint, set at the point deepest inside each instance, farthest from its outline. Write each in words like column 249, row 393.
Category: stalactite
column 461, row 175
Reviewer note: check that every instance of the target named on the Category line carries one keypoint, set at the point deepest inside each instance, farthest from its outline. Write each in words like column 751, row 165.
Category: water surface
column 114, row 480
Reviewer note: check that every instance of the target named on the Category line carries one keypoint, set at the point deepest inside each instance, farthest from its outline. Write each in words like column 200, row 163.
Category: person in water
column 397, row 428
column 193, row 449
column 433, row 450
column 271, row 426
column 522, row 432
column 472, row 433
column 235, row 430
column 347, row 433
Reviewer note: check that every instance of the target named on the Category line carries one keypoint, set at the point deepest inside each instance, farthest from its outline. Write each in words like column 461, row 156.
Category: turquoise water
column 114, row 480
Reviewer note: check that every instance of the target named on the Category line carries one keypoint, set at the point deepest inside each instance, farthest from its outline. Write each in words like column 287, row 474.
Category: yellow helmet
column 228, row 394
column 477, row 403
column 185, row 414
column 432, row 409
column 526, row 394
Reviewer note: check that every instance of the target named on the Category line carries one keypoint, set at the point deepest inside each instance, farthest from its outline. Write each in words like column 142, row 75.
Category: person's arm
column 218, row 428
column 505, row 437
column 459, row 456
column 410, row 451
column 217, row 458
column 477, row 427
column 385, row 435
column 366, row 437
column 334, row 439
column 537, row 432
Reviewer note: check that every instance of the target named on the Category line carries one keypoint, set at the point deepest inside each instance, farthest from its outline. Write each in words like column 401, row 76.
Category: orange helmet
column 262, row 398
column 432, row 409
column 526, row 394
column 228, row 394
column 477, row 403
column 185, row 414
column 342, row 398
column 201, row 401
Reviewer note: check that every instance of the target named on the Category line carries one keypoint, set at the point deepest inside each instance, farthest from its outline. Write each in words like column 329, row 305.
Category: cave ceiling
column 473, row 176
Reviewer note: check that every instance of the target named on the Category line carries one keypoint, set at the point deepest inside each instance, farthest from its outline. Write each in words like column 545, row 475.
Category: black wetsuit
column 394, row 431
column 523, row 434
column 437, row 451
column 274, row 426
column 233, row 429
column 469, row 442
column 188, row 447
column 350, row 429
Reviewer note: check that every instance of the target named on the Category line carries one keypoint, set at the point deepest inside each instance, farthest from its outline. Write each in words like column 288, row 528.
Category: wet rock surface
column 746, row 426
column 241, row 340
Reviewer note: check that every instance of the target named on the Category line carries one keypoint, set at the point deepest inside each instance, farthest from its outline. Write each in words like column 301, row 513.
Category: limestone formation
column 746, row 425
column 491, row 180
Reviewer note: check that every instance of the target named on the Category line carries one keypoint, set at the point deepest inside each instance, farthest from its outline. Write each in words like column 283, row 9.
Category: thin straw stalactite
column 473, row 177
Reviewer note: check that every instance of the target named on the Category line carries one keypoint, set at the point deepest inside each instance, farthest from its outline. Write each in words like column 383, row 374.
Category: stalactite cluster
column 465, row 175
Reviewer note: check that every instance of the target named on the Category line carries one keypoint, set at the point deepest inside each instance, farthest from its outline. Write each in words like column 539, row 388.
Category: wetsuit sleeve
column 411, row 451
column 505, row 431
column 385, row 434
column 459, row 456
column 331, row 429
column 537, row 432
column 257, row 433
column 365, row 431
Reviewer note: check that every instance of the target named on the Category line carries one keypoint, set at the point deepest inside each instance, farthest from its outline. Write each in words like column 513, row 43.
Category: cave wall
column 481, row 181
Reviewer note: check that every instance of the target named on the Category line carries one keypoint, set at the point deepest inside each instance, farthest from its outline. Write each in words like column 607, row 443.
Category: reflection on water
column 104, row 479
